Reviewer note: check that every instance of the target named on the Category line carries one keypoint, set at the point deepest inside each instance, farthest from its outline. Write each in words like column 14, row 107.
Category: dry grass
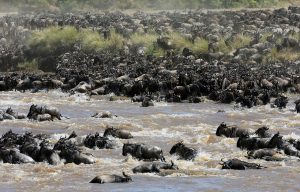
column 281, row 56
column 50, row 39
column 28, row 66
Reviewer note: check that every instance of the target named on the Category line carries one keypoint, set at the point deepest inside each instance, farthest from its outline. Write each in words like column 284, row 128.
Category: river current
column 162, row 125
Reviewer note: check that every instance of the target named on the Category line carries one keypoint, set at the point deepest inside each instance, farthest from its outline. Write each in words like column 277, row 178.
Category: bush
column 53, row 40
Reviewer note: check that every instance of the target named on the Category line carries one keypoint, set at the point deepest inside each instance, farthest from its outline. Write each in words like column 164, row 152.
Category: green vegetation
column 287, row 54
column 143, row 4
column 238, row 42
column 28, row 66
column 55, row 41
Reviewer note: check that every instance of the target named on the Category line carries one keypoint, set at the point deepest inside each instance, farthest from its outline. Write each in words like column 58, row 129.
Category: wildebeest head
column 276, row 141
column 226, row 164
column 127, row 147
column 34, row 109
column 221, row 128
column 73, row 135
column 10, row 111
column 176, row 147
column 108, row 131
column 173, row 166
column 262, row 132
column 241, row 139
column 127, row 177
column 297, row 107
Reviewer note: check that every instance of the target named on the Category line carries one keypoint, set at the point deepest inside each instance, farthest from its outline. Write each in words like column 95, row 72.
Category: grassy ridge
column 55, row 41
column 143, row 4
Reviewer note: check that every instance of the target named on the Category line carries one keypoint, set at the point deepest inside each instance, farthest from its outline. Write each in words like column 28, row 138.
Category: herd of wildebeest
column 29, row 148
column 238, row 77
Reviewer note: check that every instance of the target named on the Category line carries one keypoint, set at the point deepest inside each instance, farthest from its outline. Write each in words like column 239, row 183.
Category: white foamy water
column 163, row 126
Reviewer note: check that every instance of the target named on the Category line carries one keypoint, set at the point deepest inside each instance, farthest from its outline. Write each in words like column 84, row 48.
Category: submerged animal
column 154, row 167
column 239, row 165
column 230, row 131
column 122, row 134
column 143, row 151
column 43, row 113
column 112, row 179
column 183, row 151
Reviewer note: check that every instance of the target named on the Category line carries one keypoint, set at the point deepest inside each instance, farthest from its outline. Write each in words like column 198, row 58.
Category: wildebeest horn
column 262, row 166
column 223, row 160
column 125, row 175
column 172, row 163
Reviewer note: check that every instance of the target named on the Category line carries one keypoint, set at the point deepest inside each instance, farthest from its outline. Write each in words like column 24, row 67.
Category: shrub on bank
column 56, row 41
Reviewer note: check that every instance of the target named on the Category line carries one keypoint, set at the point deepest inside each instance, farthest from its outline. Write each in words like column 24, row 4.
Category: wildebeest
column 239, row 165
column 263, row 132
column 231, row 131
column 105, row 114
column 252, row 143
column 297, row 107
column 147, row 102
column 143, row 151
column 48, row 154
column 183, row 151
column 112, row 179
column 14, row 156
column 154, row 167
column 122, row 134
column 16, row 115
column 96, row 140
column 281, row 102
column 266, row 154
column 44, row 112
column 71, row 153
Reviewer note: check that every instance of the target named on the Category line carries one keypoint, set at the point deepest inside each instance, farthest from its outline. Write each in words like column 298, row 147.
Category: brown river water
column 162, row 125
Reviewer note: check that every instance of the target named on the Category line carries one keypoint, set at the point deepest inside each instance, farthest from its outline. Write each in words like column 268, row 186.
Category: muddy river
column 162, row 125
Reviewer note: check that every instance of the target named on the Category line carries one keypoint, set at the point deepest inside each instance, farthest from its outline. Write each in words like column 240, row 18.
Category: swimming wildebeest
column 239, row 165
column 105, row 114
column 96, row 140
column 143, row 151
column 43, row 111
column 231, row 131
column 297, row 107
column 263, row 132
column 112, row 179
column 154, row 167
column 183, row 151
column 266, row 154
column 71, row 153
column 14, row 156
column 16, row 115
column 281, row 102
column 48, row 154
column 252, row 143
column 122, row 134
column 147, row 102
